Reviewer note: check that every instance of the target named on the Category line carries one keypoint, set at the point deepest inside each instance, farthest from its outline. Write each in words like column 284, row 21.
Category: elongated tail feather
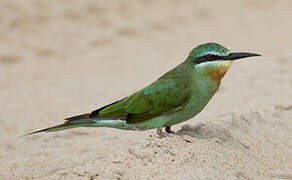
column 86, row 122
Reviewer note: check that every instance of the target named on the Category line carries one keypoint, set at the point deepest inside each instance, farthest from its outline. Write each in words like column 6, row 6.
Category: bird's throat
column 218, row 73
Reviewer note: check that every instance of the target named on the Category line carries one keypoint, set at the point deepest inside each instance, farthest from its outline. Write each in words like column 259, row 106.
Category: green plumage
column 175, row 97
column 164, row 95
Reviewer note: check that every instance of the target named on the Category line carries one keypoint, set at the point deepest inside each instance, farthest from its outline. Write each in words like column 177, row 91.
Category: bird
column 175, row 97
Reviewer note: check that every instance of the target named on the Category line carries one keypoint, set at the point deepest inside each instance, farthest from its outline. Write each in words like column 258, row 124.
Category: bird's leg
column 168, row 130
column 160, row 133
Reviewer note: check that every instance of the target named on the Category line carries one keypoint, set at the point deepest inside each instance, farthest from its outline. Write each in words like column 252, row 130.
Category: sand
column 61, row 58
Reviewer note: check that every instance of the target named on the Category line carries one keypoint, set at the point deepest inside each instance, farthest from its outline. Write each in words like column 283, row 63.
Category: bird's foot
column 160, row 133
column 168, row 130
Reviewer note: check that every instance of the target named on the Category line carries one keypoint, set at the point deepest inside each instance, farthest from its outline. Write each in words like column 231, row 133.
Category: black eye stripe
column 208, row 57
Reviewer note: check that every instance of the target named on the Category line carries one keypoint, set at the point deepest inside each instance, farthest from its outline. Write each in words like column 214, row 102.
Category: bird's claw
column 161, row 134
column 167, row 132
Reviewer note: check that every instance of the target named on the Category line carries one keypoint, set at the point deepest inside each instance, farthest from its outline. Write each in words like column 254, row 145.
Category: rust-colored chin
column 218, row 73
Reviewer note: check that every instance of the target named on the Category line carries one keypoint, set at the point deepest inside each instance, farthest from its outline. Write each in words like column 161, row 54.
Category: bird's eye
column 210, row 57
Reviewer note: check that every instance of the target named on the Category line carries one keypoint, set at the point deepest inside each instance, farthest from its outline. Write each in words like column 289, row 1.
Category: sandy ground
column 60, row 58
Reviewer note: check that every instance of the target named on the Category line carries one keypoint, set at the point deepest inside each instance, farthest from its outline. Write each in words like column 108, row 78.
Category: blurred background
column 59, row 58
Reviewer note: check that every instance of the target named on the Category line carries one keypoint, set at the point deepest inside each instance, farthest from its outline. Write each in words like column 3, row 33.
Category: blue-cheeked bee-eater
column 175, row 97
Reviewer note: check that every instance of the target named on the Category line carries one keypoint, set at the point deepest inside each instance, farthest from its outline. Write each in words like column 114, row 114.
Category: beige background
column 59, row 58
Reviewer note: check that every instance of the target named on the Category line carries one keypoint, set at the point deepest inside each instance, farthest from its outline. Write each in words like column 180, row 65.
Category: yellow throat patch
column 218, row 73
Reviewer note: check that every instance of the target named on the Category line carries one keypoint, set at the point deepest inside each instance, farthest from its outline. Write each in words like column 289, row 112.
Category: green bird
column 175, row 97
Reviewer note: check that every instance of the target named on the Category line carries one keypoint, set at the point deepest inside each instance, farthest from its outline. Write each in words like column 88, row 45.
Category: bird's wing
column 163, row 96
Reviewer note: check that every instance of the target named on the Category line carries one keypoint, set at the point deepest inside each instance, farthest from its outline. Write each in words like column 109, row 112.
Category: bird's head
column 214, row 60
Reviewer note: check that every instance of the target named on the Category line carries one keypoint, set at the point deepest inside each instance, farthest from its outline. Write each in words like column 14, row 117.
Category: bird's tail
column 73, row 122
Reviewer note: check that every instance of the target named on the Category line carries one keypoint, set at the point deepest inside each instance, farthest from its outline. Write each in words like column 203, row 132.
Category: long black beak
column 239, row 55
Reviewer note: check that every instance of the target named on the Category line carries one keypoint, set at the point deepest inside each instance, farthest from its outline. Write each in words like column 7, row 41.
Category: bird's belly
column 195, row 105
column 184, row 114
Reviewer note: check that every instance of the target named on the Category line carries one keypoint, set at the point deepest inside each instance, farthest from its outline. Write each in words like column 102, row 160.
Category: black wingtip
column 77, row 117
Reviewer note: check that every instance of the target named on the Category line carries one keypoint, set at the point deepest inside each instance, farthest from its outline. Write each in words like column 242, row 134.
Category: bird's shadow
column 207, row 131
